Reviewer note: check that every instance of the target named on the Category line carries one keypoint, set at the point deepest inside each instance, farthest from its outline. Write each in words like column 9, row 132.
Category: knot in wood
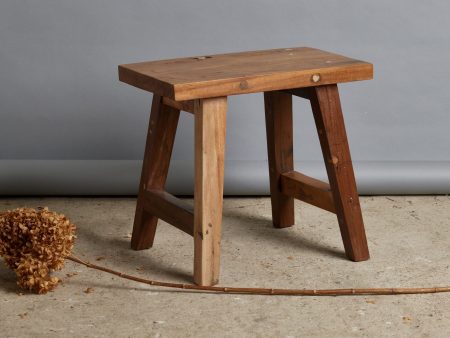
column 243, row 84
column 315, row 78
column 334, row 160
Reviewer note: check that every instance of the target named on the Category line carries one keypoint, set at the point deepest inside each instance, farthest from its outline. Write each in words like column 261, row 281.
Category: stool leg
column 210, row 124
column 327, row 112
column 278, row 109
column 158, row 150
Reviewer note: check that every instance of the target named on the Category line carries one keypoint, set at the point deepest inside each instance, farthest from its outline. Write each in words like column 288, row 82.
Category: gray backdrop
column 69, row 127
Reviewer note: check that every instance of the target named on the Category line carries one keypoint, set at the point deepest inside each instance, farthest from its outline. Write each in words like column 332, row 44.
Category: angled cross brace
column 307, row 189
column 170, row 209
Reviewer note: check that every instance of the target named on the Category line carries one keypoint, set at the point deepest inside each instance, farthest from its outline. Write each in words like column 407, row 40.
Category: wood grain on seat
column 247, row 72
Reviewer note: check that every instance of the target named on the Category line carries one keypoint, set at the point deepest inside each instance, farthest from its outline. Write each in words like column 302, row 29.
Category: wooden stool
column 200, row 85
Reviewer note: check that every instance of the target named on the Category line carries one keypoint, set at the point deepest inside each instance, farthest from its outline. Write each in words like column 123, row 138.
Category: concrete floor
column 409, row 239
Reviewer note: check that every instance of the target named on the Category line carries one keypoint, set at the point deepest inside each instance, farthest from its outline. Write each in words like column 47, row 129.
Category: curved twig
column 266, row 291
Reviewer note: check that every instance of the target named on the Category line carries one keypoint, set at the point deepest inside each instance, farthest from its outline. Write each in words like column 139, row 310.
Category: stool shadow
column 265, row 230
column 127, row 254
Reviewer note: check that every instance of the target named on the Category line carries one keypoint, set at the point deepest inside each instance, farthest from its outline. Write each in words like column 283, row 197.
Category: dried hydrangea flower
column 34, row 242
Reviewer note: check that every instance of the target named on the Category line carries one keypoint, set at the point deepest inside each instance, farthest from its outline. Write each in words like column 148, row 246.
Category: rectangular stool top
column 246, row 72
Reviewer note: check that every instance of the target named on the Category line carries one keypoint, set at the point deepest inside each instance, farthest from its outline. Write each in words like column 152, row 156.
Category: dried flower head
column 33, row 243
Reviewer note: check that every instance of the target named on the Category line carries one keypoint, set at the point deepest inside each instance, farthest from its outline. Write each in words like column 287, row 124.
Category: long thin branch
column 265, row 291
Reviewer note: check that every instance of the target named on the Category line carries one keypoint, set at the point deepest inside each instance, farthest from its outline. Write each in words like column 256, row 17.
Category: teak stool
column 200, row 85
